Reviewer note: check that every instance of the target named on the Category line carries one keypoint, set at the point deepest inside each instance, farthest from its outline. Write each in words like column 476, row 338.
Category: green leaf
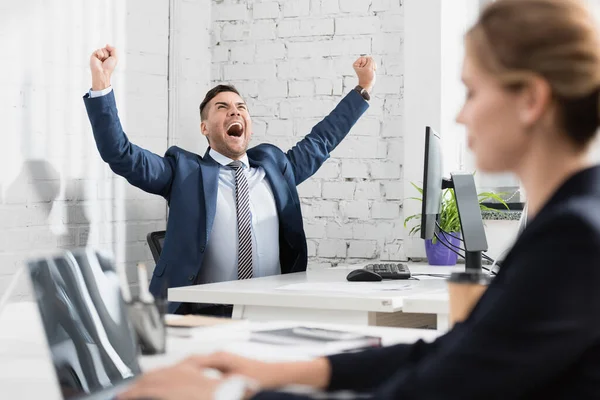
column 411, row 218
column 415, row 229
column 418, row 188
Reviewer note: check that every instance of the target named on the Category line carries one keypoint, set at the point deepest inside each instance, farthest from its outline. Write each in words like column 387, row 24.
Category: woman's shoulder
column 579, row 214
column 568, row 230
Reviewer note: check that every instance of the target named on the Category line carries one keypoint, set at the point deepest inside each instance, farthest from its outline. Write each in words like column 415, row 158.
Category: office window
column 456, row 20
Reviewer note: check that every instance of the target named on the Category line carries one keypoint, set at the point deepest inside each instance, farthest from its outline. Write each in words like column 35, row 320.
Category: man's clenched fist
column 102, row 64
column 365, row 68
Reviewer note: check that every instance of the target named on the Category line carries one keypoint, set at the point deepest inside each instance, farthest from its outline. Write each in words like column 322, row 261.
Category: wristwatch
column 363, row 92
column 235, row 388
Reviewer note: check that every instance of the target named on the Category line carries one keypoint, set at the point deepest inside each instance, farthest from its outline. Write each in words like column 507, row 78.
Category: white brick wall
column 292, row 60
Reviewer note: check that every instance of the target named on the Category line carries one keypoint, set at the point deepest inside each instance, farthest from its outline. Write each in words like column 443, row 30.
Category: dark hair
column 211, row 95
column 553, row 39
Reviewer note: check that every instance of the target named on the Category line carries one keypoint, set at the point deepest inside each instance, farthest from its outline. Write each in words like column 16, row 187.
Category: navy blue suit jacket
column 189, row 183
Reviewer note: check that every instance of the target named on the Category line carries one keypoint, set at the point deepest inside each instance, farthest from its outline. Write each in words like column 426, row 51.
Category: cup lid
column 470, row 276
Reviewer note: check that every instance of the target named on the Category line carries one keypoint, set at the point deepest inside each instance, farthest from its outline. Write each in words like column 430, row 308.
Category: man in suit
column 234, row 212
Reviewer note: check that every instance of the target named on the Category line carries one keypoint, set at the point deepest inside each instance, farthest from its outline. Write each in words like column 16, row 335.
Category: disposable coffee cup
column 464, row 291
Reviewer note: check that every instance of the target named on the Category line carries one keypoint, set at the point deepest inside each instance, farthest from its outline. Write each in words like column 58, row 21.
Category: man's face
column 227, row 125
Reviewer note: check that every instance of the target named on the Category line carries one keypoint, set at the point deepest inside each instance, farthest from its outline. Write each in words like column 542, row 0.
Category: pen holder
column 149, row 322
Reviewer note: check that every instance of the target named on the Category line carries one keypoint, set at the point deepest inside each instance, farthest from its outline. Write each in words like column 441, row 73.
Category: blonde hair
column 554, row 39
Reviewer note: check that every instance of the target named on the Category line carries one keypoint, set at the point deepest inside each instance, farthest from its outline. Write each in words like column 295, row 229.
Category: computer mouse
column 362, row 275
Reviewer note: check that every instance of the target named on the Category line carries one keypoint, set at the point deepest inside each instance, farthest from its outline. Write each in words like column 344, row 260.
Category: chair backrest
column 155, row 241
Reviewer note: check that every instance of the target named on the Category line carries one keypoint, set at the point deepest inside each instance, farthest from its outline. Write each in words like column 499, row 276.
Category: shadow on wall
column 38, row 222
column 54, row 219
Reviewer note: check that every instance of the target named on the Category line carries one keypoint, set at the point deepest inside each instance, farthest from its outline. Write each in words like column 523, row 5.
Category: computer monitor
column 432, row 184
column 467, row 202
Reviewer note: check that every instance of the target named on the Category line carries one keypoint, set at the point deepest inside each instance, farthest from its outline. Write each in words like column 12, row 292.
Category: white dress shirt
column 220, row 257
column 98, row 93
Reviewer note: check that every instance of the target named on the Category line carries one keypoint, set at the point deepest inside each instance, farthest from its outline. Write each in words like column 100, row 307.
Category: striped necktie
column 244, row 221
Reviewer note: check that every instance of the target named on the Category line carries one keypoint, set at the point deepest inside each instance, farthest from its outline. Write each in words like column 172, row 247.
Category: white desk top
column 430, row 303
column 267, row 291
column 27, row 373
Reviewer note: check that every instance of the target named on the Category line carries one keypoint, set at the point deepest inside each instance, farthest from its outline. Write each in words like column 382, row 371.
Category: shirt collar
column 224, row 161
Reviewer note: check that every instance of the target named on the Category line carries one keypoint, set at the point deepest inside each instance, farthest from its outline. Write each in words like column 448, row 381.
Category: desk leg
column 442, row 322
column 238, row 312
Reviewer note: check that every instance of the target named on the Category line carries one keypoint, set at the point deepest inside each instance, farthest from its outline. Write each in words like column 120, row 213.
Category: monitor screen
column 432, row 184
column 91, row 340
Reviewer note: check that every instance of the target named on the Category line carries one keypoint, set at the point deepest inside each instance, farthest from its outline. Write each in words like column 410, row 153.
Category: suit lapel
column 280, row 189
column 288, row 209
column 210, row 187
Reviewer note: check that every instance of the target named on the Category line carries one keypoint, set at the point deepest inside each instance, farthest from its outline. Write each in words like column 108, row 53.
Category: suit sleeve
column 142, row 168
column 307, row 156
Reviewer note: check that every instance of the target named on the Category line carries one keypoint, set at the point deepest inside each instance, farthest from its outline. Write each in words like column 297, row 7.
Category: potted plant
column 449, row 232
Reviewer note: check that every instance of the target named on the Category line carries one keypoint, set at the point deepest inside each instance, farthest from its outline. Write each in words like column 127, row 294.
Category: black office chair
column 155, row 242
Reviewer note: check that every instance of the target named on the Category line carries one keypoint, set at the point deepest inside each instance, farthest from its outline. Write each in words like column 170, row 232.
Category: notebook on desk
column 330, row 340
column 195, row 325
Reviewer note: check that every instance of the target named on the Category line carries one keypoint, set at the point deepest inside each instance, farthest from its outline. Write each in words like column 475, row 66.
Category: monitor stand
column 469, row 214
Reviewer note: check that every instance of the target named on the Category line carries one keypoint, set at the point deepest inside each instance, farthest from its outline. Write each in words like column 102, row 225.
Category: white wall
column 422, row 93
column 292, row 61
column 189, row 71
column 56, row 191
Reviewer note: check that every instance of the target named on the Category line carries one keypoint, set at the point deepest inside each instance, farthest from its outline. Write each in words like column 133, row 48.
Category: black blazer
column 535, row 333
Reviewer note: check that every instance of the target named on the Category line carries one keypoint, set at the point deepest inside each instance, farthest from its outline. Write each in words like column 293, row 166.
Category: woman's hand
column 184, row 381
column 315, row 373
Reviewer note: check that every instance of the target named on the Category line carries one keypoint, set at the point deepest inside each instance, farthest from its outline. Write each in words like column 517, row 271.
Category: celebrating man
column 234, row 213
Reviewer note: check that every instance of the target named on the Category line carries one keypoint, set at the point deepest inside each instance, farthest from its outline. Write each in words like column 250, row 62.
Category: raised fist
column 102, row 64
column 365, row 68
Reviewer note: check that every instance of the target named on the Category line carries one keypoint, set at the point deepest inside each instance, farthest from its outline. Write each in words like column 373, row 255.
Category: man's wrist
column 100, row 83
column 365, row 85
column 363, row 92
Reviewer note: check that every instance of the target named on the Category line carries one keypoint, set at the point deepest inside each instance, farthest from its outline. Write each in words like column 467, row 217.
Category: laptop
column 91, row 339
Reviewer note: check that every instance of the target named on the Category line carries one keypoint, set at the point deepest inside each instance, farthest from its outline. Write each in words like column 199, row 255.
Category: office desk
column 430, row 303
column 26, row 371
column 263, row 299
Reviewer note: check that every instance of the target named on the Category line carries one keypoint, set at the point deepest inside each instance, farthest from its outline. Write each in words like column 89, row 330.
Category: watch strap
column 363, row 92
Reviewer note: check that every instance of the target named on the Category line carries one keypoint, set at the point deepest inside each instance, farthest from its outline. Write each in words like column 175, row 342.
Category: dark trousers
column 213, row 310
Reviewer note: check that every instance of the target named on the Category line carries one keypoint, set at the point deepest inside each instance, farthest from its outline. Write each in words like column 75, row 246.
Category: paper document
column 328, row 339
column 351, row 287
column 198, row 325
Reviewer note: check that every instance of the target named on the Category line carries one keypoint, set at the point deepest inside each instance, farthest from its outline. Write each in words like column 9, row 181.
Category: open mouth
column 235, row 129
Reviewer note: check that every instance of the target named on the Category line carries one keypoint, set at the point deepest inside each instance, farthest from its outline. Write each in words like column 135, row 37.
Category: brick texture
column 352, row 207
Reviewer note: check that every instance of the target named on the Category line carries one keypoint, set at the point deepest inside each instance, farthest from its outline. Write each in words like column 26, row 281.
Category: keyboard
column 390, row 270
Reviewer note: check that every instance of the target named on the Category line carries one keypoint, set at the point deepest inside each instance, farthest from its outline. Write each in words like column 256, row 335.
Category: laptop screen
column 91, row 339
